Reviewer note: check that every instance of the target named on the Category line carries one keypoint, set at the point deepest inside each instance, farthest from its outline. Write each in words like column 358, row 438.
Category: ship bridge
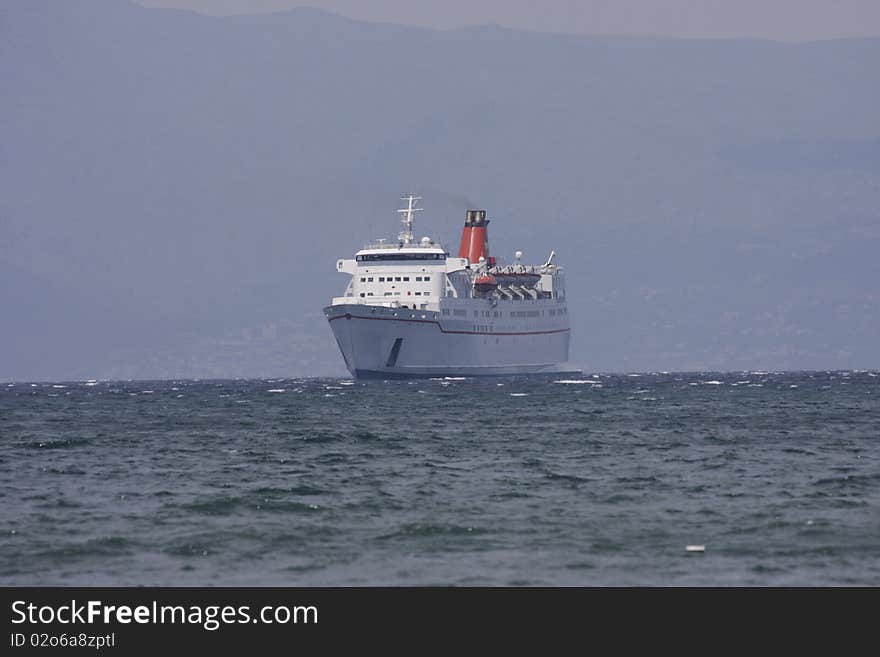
column 405, row 273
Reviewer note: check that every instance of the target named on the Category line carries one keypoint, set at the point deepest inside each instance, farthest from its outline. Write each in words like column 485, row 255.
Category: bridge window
column 418, row 279
column 373, row 257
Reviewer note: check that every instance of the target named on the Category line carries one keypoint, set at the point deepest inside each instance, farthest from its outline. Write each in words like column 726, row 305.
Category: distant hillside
column 176, row 188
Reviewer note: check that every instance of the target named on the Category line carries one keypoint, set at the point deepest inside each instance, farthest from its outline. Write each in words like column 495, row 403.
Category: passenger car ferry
column 412, row 310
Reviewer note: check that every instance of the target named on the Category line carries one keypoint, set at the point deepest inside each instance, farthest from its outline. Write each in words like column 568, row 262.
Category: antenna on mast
column 406, row 235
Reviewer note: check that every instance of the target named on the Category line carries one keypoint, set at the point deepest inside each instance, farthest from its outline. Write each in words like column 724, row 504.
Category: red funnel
column 474, row 237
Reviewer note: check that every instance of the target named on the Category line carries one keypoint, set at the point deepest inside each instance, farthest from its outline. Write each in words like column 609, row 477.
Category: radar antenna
column 406, row 235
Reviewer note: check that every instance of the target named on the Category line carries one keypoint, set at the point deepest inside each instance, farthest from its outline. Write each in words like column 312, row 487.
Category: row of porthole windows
column 497, row 314
column 392, row 279
column 394, row 294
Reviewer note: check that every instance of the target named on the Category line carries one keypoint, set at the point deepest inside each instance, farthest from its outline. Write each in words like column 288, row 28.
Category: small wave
column 59, row 443
column 427, row 530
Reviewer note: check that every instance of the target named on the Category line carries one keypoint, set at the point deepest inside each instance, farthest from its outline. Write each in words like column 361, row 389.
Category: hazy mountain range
column 176, row 188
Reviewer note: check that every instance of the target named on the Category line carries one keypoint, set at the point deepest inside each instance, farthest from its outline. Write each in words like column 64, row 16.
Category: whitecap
column 713, row 383
column 573, row 381
column 277, row 390
column 519, row 394
column 59, row 386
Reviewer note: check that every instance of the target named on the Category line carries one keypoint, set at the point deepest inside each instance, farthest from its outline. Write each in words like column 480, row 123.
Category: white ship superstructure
column 411, row 309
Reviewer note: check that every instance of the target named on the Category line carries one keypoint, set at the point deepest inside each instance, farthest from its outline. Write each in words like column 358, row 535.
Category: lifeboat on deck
column 523, row 278
column 485, row 284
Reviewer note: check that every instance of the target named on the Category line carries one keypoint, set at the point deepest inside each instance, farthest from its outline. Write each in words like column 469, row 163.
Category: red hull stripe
column 442, row 330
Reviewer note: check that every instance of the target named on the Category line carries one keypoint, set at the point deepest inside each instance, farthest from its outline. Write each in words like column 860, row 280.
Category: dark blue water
column 466, row 482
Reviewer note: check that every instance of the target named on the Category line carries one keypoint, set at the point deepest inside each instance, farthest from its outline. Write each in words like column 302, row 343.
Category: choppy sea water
column 596, row 480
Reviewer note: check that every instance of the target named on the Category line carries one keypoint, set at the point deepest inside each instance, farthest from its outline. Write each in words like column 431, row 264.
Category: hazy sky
column 790, row 20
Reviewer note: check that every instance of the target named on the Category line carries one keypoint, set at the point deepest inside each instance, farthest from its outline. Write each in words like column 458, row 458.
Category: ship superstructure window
column 418, row 279
column 406, row 279
column 373, row 257
column 363, row 279
column 427, row 278
column 381, row 279
column 397, row 278
column 370, row 279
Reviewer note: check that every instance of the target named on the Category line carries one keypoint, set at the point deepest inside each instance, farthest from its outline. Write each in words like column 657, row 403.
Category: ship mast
column 406, row 235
